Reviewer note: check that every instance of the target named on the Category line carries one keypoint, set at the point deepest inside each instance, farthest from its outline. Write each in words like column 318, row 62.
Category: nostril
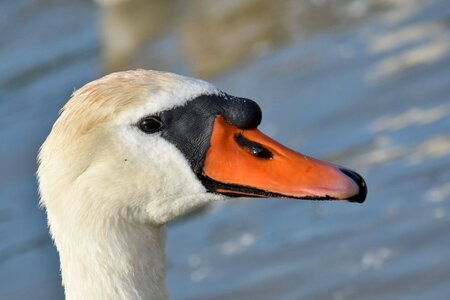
column 361, row 196
column 254, row 148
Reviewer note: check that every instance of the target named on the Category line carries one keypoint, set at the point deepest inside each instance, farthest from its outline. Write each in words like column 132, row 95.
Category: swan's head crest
column 97, row 160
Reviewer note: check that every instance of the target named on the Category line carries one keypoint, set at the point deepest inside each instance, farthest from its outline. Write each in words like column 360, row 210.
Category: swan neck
column 126, row 261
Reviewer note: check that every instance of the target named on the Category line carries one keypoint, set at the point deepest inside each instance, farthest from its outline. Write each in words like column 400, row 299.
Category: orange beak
column 248, row 163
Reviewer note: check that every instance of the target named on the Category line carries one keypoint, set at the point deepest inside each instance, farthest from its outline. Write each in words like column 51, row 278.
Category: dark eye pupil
column 150, row 125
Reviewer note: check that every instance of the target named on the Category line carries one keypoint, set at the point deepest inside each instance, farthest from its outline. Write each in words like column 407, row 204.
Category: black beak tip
column 361, row 196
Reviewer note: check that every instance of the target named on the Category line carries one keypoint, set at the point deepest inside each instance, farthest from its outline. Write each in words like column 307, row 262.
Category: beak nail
column 361, row 196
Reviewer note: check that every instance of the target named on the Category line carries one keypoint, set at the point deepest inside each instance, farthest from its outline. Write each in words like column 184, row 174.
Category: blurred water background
column 362, row 83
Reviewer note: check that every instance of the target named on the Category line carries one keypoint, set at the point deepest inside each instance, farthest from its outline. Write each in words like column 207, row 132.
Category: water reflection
column 384, row 150
column 215, row 36
column 417, row 44
column 126, row 25
column 413, row 116
column 375, row 259
column 404, row 36
column 410, row 58
column 439, row 194
column 433, row 148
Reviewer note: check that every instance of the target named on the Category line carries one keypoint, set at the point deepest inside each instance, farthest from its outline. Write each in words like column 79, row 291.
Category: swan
column 133, row 150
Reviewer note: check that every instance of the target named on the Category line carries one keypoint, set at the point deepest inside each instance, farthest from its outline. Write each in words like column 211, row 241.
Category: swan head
column 148, row 146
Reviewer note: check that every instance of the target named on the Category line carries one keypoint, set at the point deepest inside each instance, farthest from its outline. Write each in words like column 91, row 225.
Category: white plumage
column 109, row 189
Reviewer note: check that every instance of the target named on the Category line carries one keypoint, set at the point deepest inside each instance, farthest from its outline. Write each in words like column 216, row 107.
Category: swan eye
column 150, row 124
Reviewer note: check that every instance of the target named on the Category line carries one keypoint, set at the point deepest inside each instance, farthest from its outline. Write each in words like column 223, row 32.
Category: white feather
column 109, row 189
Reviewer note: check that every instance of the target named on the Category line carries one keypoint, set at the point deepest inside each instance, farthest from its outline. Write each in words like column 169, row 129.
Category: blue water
column 373, row 95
